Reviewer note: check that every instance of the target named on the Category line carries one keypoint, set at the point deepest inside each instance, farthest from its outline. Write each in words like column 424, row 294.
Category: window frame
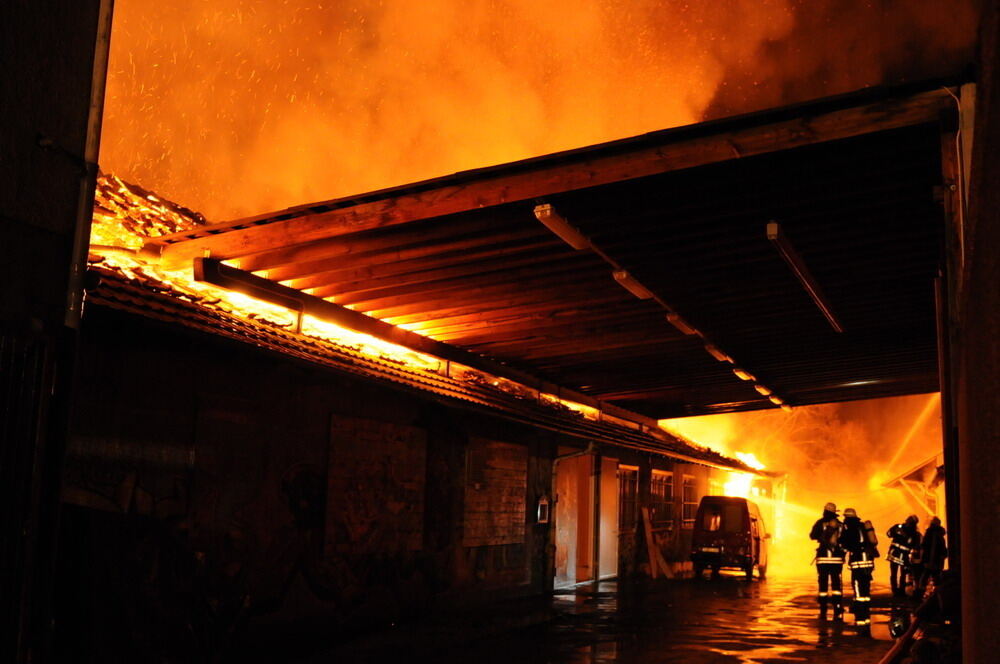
column 688, row 517
column 661, row 504
column 628, row 502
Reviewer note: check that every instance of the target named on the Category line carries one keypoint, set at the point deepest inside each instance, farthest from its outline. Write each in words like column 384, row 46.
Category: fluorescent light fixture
column 776, row 400
column 681, row 324
column 802, row 273
column 718, row 354
column 785, row 407
column 742, row 375
column 630, row 284
column 766, row 391
column 558, row 225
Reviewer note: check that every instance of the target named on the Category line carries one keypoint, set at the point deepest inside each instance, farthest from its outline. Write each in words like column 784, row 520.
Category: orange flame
column 237, row 107
column 830, row 452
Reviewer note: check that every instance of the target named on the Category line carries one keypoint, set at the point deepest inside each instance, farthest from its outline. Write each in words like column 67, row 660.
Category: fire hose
column 903, row 642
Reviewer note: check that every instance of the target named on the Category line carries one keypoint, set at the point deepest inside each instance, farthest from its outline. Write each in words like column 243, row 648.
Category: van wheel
column 749, row 570
column 698, row 571
column 762, row 572
column 715, row 571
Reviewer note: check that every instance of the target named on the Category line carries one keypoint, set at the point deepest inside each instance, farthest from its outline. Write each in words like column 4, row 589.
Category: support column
column 51, row 93
column 978, row 370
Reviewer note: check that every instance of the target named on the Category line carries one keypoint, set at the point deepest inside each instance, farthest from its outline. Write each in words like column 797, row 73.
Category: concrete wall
column 979, row 366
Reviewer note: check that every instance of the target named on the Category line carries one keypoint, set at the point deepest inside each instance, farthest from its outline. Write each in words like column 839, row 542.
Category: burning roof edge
column 114, row 290
column 871, row 96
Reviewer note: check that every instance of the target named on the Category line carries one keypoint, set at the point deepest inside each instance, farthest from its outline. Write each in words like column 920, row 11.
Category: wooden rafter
column 525, row 181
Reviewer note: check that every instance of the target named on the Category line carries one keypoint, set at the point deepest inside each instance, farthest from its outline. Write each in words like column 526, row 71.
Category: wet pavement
column 722, row 620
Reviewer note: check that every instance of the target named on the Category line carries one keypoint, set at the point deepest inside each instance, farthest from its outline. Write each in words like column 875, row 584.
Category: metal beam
column 802, row 273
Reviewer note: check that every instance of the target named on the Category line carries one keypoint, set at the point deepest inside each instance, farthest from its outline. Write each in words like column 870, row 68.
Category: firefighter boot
column 822, row 608
column 838, row 610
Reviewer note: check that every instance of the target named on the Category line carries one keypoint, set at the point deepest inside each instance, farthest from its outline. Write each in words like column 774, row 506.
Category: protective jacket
column 861, row 553
column 827, row 532
column 905, row 542
column 935, row 550
column 859, row 540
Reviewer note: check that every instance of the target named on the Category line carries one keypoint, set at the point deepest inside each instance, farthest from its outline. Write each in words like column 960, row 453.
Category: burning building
column 314, row 473
column 363, row 407
column 428, row 464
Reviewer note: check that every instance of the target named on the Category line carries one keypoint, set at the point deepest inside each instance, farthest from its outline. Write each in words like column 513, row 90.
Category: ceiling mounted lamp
column 776, row 400
column 762, row 390
column 556, row 223
column 717, row 354
column 630, row 284
column 681, row 324
column 743, row 375
column 785, row 407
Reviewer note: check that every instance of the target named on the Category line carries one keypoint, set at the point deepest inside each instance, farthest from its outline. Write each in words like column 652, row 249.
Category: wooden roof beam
column 423, row 249
column 468, row 289
column 347, row 278
column 516, row 334
column 482, row 267
column 455, row 329
column 685, row 147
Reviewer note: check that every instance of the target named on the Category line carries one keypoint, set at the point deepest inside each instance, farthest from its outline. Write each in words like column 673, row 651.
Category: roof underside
column 860, row 210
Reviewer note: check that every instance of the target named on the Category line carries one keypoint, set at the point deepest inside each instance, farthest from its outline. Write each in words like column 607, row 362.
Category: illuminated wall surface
column 843, row 453
column 234, row 107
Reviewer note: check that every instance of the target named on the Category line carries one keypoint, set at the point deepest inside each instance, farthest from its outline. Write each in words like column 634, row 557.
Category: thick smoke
column 235, row 107
column 838, row 46
column 842, row 453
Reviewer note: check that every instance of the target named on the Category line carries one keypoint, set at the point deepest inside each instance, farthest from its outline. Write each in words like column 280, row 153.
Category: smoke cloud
column 234, row 107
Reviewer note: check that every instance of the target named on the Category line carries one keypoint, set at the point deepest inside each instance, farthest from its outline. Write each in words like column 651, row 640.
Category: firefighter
column 829, row 561
column 934, row 551
column 860, row 542
column 904, row 552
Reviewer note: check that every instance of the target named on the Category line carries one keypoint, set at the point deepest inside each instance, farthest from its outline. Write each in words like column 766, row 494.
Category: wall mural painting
column 376, row 479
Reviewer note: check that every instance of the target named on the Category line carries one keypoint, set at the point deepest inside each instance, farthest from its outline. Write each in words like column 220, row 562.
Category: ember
column 238, row 107
column 125, row 214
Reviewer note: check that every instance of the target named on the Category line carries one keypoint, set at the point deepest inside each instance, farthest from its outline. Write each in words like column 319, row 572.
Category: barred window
column 628, row 491
column 661, row 490
column 689, row 496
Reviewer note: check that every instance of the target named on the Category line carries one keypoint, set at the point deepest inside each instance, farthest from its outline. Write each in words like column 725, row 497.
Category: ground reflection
column 722, row 620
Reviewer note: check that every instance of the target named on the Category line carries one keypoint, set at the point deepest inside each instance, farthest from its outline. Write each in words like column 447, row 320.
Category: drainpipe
column 596, row 566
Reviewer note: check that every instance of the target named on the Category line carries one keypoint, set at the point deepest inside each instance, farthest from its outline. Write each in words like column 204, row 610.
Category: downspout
column 596, row 565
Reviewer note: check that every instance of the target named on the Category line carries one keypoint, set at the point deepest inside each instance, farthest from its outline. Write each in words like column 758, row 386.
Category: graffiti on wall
column 495, row 492
column 375, row 486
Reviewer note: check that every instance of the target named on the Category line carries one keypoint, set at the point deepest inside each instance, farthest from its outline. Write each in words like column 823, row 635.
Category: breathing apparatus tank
column 871, row 539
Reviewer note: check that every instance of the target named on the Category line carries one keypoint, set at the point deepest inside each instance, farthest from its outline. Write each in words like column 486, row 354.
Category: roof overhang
column 714, row 315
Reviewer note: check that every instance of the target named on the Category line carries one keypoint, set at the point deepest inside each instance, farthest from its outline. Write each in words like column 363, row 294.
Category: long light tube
column 630, row 284
column 556, row 223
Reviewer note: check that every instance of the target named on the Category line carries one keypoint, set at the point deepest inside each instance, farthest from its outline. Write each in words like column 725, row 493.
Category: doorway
column 574, row 516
